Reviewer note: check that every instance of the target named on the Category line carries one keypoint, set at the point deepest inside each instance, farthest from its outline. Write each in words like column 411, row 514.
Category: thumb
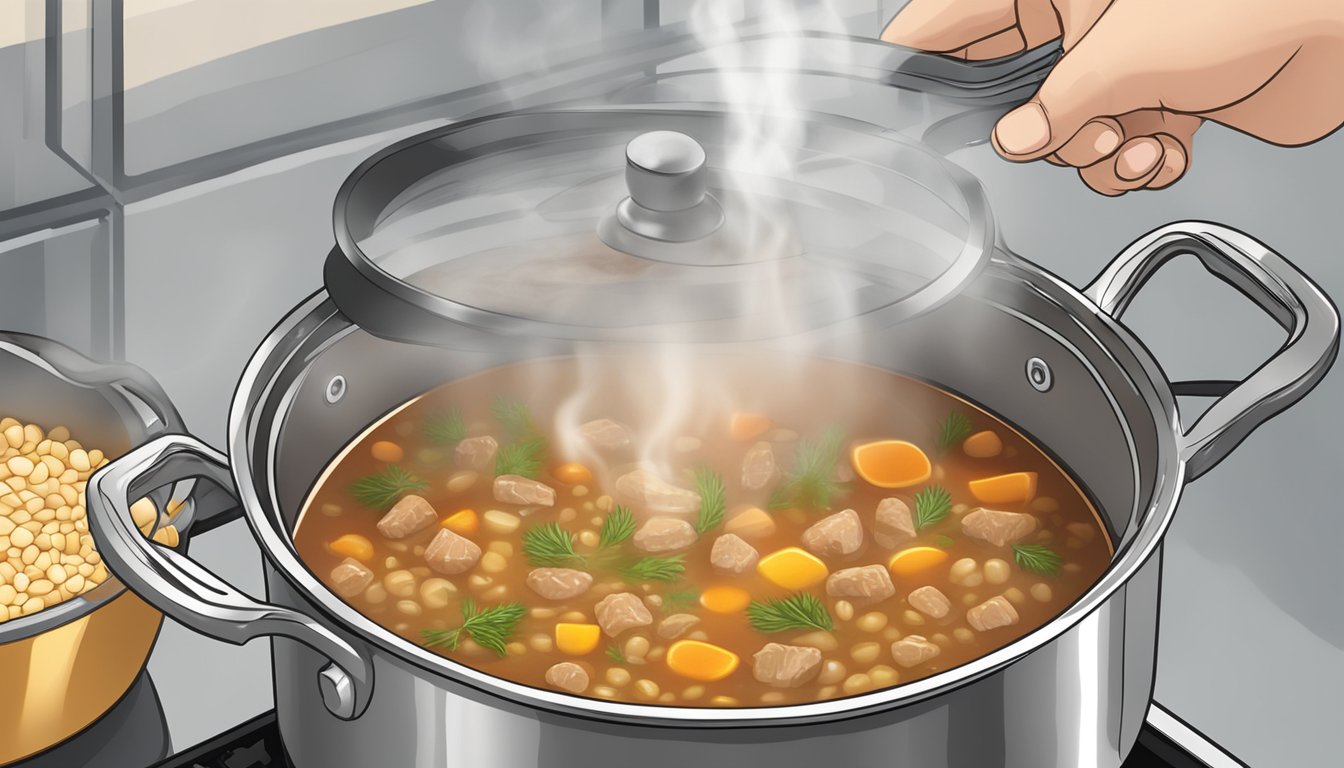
column 1092, row 80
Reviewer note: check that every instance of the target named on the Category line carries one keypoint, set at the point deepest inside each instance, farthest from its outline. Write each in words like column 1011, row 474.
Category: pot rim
column 259, row 378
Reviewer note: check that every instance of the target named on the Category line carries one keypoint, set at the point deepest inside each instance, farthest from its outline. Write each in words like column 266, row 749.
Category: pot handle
column 182, row 589
column 1273, row 283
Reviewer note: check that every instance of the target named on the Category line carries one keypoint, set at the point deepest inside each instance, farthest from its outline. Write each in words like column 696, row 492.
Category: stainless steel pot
column 1052, row 360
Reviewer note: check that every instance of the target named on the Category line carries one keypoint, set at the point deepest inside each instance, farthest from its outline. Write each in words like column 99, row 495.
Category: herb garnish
column 655, row 569
column 549, row 545
column 614, row 653
column 1037, row 558
column 713, row 499
column 812, row 481
column 521, row 458
column 943, row 542
column 931, row 506
column 383, row 489
column 490, row 628
column 677, row 599
column 619, row 526
column 956, row 428
column 446, row 428
column 801, row 611
column 514, row 416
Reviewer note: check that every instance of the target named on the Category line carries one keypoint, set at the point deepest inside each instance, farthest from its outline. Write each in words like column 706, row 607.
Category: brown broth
column 803, row 399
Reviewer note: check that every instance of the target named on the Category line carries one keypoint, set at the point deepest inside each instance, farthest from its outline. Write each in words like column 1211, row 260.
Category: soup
column 759, row 533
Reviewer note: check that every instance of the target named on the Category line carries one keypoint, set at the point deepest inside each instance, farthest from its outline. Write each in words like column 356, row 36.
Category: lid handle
column 665, row 173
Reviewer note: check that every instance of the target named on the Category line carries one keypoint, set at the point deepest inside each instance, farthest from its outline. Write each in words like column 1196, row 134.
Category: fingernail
column 1106, row 139
column 1023, row 130
column 1137, row 159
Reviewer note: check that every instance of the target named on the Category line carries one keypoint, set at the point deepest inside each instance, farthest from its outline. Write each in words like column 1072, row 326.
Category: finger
column 943, row 27
column 1078, row 18
column 1005, row 43
column 1094, row 142
column 1136, row 163
column 1175, row 162
column 1093, row 80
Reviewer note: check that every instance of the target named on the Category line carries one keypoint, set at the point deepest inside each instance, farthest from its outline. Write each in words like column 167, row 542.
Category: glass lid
column 652, row 225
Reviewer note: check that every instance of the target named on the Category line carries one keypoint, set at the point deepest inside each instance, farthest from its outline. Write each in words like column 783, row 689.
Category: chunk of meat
column 621, row 611
column 568, row 676
column 451, row 554
column 835, row 536
column 350, row 577
column 664, row 534
column 913, row 650
column 477, row 453
column 894, row 524
column 786, row 666
column 930, row 601
column 516, row 489
column 732, row 554
column 676, row 625
column 993, row 613
column 605, row 434
column 867, row 584
column 559, row 583
column 996, row 527
column 758, row 466
column 407, row 516
column 649, row 496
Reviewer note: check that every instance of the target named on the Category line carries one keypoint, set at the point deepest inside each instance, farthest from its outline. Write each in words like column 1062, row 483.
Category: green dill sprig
column 932, row 505
column 956, row 428
column 615, row 654
column 1037, row 558
column 812, row 482
column 514, row 416
column 801, row 611
column 616, row 529
column 446, row 428
column 549, row 545
column 521, row 458
column 490, row 628
column 678, row 599
column 668, row 568
column 383, row 489
column 713, row 500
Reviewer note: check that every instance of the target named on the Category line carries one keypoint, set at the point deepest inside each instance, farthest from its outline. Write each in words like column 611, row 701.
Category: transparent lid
column 652, row 224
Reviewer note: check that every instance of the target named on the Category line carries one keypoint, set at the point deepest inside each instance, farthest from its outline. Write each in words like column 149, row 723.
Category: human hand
column 1139, row 77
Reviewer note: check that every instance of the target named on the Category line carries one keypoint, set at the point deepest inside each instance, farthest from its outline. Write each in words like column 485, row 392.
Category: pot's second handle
column 182, row 589
column 1273, row 283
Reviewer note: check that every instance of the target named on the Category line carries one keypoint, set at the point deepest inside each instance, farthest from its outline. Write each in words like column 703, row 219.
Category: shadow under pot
column 1051, row 360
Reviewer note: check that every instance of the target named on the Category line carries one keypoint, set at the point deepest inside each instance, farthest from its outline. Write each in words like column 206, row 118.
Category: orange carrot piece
column 983, row 445
column 1012, row 488
column 463, row 522
column 891, row 463
column 916, row 560
column 749, row 426
column 701, row 661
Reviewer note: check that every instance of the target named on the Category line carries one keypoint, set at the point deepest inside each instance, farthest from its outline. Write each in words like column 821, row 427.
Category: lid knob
column 665, row 173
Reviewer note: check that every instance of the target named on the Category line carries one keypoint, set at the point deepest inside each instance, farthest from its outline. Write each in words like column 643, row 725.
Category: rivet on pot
column 1040, row 375
column 335, row 389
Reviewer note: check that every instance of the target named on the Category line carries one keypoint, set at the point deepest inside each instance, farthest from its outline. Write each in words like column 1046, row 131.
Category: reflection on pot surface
column 755, row 550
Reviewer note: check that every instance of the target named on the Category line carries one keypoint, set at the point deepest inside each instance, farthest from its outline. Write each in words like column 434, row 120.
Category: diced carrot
column 701, row 661
column 577, row 639
column 387, row 452
column 463, row 522
column 983, row 445
column 891, row 463
column 792, row 568
column 916, row 560
column 1012, row 488
column 749, row 426
column 352, row 545
column 573, row 474
column 725, row 599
